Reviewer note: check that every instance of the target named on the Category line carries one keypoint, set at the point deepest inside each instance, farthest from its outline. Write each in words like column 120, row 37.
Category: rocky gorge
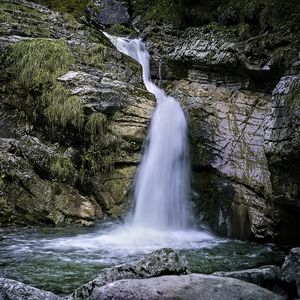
column 164, row 274
column 74, row 115
column 72, row 126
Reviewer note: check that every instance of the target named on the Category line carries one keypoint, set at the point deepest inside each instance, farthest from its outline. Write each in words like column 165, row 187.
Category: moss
column 95, row 125
column 62, row 169
column 6, row 17
column 73, row 7
column 293, row 97
column 118, row 29
column 283, row 57
column 69, row 111
column 23, row 17
column 36, row 65
column 259, row 15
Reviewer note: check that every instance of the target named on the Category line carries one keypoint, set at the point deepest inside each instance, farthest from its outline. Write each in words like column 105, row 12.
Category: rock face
column 74, row 114
column 291, row 268
column 268, row 277
column 194, row 286
column 71, row 130
column 11, row 289
column 108, row 12
column 243, row 112
column 158, row 263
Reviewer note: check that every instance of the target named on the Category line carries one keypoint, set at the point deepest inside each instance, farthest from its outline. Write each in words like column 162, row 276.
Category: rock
column 291, row 268
column 11, row 289
column 262, row 276
column 268, row 277
column 160, row 262
column 244, row 140
column 68, row 172
column 193, row 286
column 107, row 12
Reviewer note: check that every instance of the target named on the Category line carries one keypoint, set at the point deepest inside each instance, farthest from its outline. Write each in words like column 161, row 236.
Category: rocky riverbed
column 74, row 116
column 164, row 274
column 72, row 125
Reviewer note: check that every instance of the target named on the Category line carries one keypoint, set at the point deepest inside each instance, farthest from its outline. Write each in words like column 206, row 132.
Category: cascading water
column 162, row 185
column 161, row 215
column 70, row 257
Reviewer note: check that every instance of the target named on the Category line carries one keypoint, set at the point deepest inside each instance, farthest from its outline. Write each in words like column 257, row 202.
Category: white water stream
column 162, row 214
column 162, row 185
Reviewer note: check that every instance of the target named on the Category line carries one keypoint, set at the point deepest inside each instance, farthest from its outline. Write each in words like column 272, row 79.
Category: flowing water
column 162, row 187
column 62, row 259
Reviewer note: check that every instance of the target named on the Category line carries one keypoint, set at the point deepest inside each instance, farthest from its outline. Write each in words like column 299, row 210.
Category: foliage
column 36, row 65
column 62, row 168
column 73, row 7
column 259, row 15
column 95, row 125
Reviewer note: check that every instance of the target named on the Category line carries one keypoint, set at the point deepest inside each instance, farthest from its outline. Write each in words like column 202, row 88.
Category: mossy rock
column 35, row 65
column 73, row 7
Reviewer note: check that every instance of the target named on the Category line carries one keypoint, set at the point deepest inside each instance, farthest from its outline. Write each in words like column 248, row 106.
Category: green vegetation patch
column 259, row 15
column 36, row 65
column 95, row 126
column 73, row 7
column 63, row 169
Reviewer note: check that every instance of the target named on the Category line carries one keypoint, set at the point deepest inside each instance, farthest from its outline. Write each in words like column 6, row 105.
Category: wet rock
column 11, row 289
column 230, row 165
column 291, row 268
column 160, row 262
column 244, row 141
column 107, row 12
column 57, row 173
column 193, row 286
column 261, row 276
column 268, row 277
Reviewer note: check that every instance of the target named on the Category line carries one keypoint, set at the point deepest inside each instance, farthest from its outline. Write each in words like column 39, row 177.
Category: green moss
column 23, row 17
column 6, row 17
column 73, row 7
column 62, row 169
column 36, row 65
column 121, row 30
column 95, row 125
column 259, row 15
column 283, row 57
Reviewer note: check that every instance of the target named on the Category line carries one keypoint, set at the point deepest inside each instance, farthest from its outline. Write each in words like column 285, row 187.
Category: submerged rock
column 160, row 262
column 12, row 289
column 193, row 286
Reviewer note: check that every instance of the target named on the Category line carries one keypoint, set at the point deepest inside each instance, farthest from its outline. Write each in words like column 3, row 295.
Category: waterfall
column 162, row 185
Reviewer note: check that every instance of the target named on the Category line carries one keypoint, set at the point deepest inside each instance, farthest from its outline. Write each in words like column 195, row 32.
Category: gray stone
column 193, row 286
column 160, row 262
column 107, row 12
column 11, row 289
column 291, row 268
column 268, row 277
column 262, row 276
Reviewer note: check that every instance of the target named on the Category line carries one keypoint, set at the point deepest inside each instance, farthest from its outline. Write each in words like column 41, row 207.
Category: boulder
column 193, row 286
column 291, row 268
column 12, row 289
column 161, row 262
column 107, row 12
column 268, row 277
